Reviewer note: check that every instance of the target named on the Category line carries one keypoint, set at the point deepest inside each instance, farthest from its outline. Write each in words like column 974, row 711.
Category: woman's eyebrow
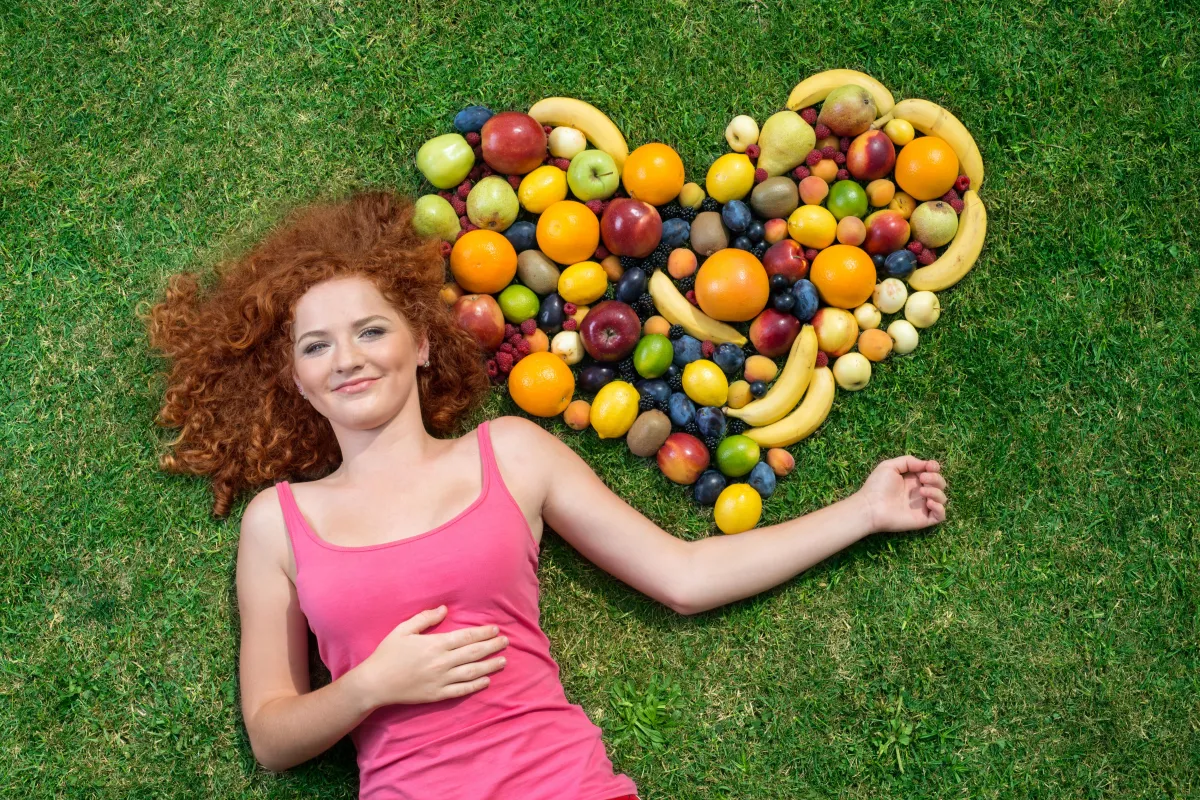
column 356, row 324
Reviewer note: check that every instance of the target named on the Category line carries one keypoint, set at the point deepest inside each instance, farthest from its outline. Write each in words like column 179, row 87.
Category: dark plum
column 729, row 357
column 708, row 487
column 736, row 216
column 676, row 232
column 551, row 315
column 594, row 376
column 687, row 350
column 471, row 119
column 681, row 409
column 762, row 479
column 711, row 422
column 899, row 264
column 807, row 299
column 522, row 235
column 632, row 285
column 758, row 388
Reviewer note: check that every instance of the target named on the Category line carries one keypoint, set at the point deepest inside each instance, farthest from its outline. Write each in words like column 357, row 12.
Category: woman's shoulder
column 262, row 520
column 513, row 434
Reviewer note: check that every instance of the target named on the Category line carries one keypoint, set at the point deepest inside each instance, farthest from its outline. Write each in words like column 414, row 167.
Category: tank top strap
column 491, row 470
column 293, row 520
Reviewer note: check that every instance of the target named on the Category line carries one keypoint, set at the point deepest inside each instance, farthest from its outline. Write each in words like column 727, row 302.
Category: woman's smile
column 356, row 386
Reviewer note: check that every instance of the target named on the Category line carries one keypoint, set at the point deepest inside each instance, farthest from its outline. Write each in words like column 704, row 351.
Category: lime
column 705, row 383
column 737, row 455
column 847, row 199
column 614, row 409
column 653, row 355
column 583, row 283
column 518, row 303
column 738, row 508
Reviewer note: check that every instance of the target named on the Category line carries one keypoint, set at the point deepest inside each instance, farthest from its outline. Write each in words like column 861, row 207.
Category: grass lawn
column 1041, row 643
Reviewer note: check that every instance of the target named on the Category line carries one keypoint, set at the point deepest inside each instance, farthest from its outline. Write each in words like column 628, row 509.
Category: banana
column 807, row 417
column 957, row 259
column 594, row 123
column 933, row 120
column 816, row 88
column 678, row 311
column 788, row 387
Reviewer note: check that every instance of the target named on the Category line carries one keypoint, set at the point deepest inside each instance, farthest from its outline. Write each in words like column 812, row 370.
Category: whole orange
column 541, row 384
column 927, row 168
column 653, row 173
column 568, row 232
column 844, row 275
column 732, row 286
column 483, row 261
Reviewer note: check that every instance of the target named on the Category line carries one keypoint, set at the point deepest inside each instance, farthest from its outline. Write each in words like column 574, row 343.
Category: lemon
column 812, row 226
column 583, row 283
column 705, row 383
column 542, row 188
column 731, row 177
column 738, row 508
column 614, row 409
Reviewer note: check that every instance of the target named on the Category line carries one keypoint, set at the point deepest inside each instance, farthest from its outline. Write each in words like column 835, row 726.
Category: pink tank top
column 517, row 738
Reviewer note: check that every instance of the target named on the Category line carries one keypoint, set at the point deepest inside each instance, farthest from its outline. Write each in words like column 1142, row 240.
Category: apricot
column 826, row 169
column 656, row 324
column 759, row 368
column 904, row 204
column 578, row 415
column 612, row 268
column 875, row 344
column 739, row 394
column 813, row 190
column 851, row 230
column 681, row 263
column 538, row 341
column 880, row 192
column 780, row 461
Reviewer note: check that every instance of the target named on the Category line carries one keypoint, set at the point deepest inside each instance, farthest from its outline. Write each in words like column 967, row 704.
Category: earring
column 427, row 362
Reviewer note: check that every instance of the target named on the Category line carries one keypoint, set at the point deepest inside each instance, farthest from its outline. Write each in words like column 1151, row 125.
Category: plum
column 709, row 487
column 762, row 479
column 711, row 422
column 729, row 357
column 681, row 409
column 687, row 350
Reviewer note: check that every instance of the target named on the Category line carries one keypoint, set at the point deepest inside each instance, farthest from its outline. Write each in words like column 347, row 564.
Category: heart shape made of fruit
column 708, row 324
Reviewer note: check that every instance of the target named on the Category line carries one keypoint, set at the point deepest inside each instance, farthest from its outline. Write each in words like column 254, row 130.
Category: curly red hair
column 230, row 388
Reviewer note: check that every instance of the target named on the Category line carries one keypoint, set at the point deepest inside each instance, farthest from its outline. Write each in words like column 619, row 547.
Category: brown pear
column 848, row 111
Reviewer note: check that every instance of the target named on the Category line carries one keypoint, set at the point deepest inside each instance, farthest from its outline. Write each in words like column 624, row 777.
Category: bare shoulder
column 263, row 531
column 523, row 440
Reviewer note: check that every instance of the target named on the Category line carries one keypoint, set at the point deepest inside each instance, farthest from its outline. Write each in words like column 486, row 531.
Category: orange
column 568, row 232
column 653, row 173
column 927, row 168
column 541, row 384
column 483, row 261
column 844, row 275
column 732, row 286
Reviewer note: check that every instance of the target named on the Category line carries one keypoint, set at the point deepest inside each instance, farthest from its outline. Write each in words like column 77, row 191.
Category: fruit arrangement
column 710, row 326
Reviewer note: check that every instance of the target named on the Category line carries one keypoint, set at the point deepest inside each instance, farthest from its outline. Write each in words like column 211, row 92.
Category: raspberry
column 547, row 129
column 915, row 247
column 475, row 175
column 514, row 181
column 926, row 257
column 493, row 369
column 949, row 196
column 800, row 173
column 445, row 195
column 528, row 326
column 507, row 348
column 753, row 152
column 813, row 158
column 828, row 151
column 470, row 226
column 464, row 189
column 459, row 206
column 603, row 207
column 478, row 151
column 760, row 175
column 446, row 247
column 844, row 144
column 963, row 183
column 822, row 131
column 810, row 255
column 463, row 221
column 460, row 233
column 958, row 206
column 524, row 348
column 822, row 359
column 809, row 115
column 839, row 158
column 842, row 175
column 505, row 362
column 569, row 309
column 562, row 163
column 602, row 253
column 516, row 339
column 707, row 348
column 570, row 325
column 488, row 171
column 472, row 138
column 596, row 206
column 691, row 297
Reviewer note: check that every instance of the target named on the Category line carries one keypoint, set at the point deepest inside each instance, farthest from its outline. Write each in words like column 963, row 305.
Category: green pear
column 434, row 216
column 492, row 204
column 848, row 111
column 785, row 140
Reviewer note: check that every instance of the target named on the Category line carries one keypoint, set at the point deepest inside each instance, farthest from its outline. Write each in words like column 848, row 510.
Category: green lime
column 847, row 199
column 737, row 455
column 518, row 303
column 653, row 355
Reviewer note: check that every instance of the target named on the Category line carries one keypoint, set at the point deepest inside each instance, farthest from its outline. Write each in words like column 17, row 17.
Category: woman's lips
column 356, row 387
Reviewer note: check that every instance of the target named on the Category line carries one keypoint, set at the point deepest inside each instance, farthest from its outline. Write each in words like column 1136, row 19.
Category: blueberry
column 471, row 119
column 743, row 243
column 756, row 232
column 708, row 487
column 762, row 479
column 758, row 388
column 711, row 421
column 551, row 315
column 784, row 302
column 780, row 282
column 631, row 285
column 522, row 235
column 736, row 216
column 899, row 264
column 878, row 259
column 676, row 232
column 687, row 350
column 807, row 299
column 681, row 409
column 656, row 389
column 729, row 357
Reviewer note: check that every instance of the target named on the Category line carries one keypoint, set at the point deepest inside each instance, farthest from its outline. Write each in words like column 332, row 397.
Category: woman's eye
column 373, row 331
column 312, row 348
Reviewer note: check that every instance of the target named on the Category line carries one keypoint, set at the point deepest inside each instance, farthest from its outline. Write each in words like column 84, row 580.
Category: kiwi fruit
column 648, row 433
column 775, row 198
column 709, row 233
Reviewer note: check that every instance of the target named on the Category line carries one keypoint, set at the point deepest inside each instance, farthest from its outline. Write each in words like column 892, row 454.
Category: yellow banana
column 957, row 259
column 933, row 120
column 594, row 123
column 807, row 417
column 788, row 387
column 678, row 311
column 816, row 88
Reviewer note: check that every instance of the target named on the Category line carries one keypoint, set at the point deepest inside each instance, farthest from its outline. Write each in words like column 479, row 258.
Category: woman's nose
column 347, row 356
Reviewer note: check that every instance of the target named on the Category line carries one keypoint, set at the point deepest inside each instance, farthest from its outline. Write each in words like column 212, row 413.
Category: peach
column 450, row 293
column 887, row 232
column 578, row 415
column 828, row 141
column 681, row 263
column 875, row 344
column 880, row 192
column 775, row 230
column 851, row 230
column 837, row 330
column 780, row 461
column 871, row 155
column 813, row 190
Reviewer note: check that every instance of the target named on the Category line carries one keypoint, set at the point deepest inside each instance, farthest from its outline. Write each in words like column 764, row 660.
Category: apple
column 773, row 332
column 922, row 309
column 593, row 175
column 513, row 143
column 871, row 155
column 852, row 371
column 445, row 160
column 610, row 331
column 887, row 232
column 450, row 293
column 567, row 142
column 434, row 216
column 786, row 258
column 837, row 330
column 682, row 458
column 741, row 132
column 480, row 316
column 631, row 227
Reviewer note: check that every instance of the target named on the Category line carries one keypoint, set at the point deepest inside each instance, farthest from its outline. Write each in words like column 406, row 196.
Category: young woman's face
column 354, row 355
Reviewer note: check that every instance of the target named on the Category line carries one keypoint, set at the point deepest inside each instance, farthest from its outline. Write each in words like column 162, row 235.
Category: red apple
column 837, row 330
column 871, row 155
column 773, row 332
column 682, row 458
column 630, row 227
column 887, row 232
column 610, row 331
column 786, row 258
column 513, row 143
column 480, row 315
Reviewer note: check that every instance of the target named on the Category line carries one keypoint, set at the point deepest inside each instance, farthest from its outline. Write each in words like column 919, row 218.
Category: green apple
column 593, row 175
column 445, row 160
column 492, row 204
column 434, row 216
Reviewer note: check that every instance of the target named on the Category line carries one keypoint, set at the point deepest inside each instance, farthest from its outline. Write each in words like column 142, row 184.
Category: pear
column 848, row 111
column 784, row 141
column 492, row 204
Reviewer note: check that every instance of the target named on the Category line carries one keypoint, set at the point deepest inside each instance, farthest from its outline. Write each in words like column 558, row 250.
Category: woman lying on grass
column 327, row 355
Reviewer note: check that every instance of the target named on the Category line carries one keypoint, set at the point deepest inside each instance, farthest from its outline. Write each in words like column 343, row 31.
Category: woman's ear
column 423, row 351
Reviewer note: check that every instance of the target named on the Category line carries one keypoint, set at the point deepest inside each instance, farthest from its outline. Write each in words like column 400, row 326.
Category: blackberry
column 710, row 204
column 629, row 262
column 675, row 332
column 748, row 349
column 663, row 406
column 671, row 210
column 734, row 426
column 627, row 371
column 644, row 306
column 658, row 259
column 688, row 214
column 692, row 428
column 646, row 403
column 687, row 284
column 712, row 442
column 675, row 381
column 759, row 250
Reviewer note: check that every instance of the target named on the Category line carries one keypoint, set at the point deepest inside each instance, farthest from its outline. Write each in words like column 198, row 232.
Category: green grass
column 1042, row 643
